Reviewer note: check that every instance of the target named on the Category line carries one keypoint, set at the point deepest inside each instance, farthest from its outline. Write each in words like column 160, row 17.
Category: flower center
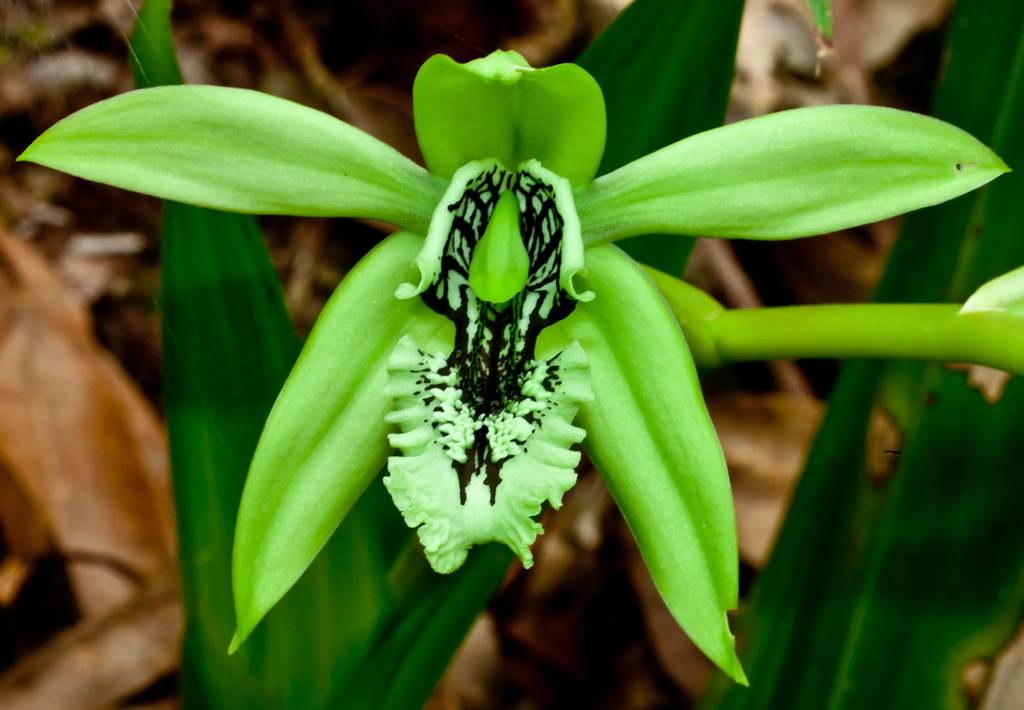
column 486, row 430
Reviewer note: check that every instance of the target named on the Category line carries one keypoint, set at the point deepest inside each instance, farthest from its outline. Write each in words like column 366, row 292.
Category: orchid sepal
column 326, row 437
column 500, row 107
column 650, row 435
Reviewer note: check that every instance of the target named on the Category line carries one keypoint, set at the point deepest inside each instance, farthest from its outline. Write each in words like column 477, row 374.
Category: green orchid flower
column 502, row 327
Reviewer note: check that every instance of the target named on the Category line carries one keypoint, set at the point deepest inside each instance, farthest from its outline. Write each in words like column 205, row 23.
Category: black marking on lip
column 492, row 350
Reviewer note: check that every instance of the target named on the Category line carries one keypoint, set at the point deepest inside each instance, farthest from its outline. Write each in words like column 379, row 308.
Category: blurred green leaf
column 228, row 344
column 228, row 347
column 415, row 651
column 883, row 587
column 822, row 11
column 665, row 68
column 790, row 174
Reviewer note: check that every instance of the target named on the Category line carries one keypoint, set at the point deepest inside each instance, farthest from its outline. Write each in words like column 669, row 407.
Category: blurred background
column 88, row 600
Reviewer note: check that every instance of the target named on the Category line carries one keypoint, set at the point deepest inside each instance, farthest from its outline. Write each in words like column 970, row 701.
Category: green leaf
column 498, row 107
column 665, row 68
column 790, row 174
column 822, row 11
column 404, row 667
column 241, row 151
column 649, row 433
column 326, row 438
column 151, row 50
column 228, row 345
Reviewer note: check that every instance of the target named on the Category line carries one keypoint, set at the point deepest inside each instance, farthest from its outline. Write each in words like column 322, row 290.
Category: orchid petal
column 326, row 437
column 790, row 174
column 241, row 151
column 499, row 107
column 649, row 433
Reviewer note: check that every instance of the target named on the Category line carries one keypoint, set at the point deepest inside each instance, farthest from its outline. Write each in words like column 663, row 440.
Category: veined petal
column 499, row 107
column 242, row 151
column 649, row 433
column 790, row 174
column 326, row 437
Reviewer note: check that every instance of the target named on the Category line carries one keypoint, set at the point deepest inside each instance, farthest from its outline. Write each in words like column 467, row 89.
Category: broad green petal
column 499, row 107
column 790, row 174
column 326, row 437
column 241, row 151
column 1004, row 293
column 649, row 433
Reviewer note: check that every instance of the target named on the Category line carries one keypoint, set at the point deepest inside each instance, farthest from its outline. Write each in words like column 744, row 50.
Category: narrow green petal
column 651, row 437
column 791, row 174
column 1004, row 293
column 499, row 107
column 326, row 436
column 241, row 151
column 500, row 264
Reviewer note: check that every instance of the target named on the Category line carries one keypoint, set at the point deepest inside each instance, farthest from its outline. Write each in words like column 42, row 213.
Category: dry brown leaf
column 83, row 463
column 765, row 438
column 987, row 380
column 100, row 661
column 1005, row 689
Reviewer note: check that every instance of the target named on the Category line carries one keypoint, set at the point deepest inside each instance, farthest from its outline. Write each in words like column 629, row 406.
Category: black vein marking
column 495, row 343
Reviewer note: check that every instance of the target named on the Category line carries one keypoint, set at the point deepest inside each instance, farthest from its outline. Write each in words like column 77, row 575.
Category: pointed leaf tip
column 1004, row 293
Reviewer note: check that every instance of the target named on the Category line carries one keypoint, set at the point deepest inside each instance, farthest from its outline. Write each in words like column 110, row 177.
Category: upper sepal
column 499, row 107
column 326, row 437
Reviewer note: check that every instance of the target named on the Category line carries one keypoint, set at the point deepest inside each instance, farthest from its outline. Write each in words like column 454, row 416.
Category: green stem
column 905, row 331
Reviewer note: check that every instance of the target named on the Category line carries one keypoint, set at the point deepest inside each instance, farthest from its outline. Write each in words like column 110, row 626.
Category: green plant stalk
column 898, row 331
